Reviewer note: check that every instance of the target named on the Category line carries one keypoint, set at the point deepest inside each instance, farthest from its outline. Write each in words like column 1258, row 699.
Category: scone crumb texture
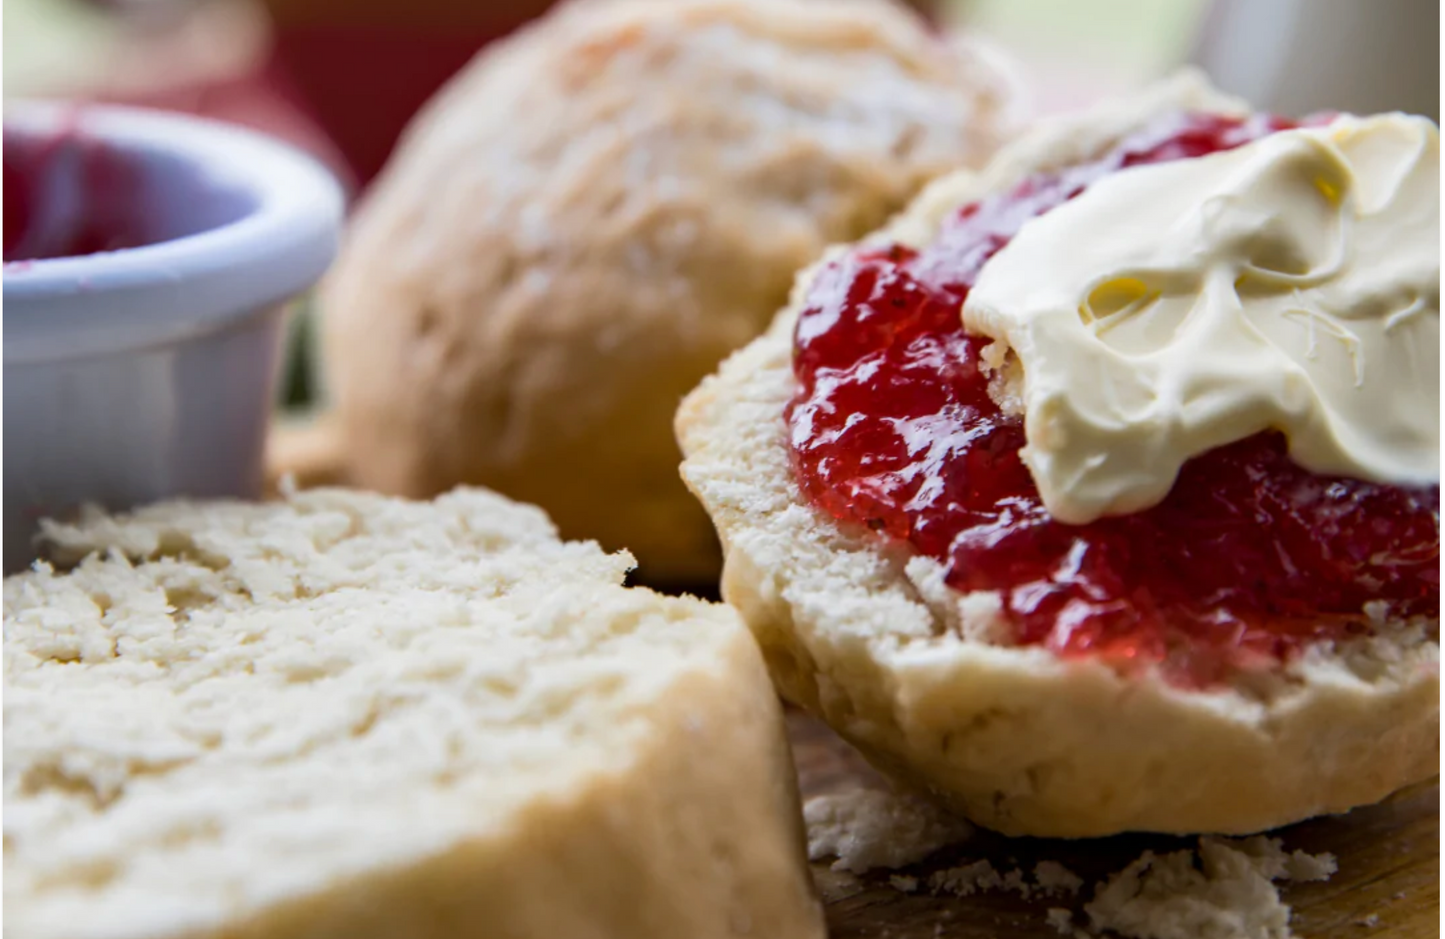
column 869, row 829
column 352, row 716
column 1225, row 890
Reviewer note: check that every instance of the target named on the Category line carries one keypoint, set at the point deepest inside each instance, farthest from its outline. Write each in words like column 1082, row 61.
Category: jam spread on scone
column 1248, row 558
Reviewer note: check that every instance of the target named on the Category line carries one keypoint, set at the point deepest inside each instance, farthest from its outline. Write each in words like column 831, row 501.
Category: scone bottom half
column 351, row 715
column 885, row 544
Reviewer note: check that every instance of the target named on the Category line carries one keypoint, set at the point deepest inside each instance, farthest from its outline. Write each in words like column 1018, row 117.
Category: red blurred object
column 363, row 83
column 17, row 206
column 363, row 68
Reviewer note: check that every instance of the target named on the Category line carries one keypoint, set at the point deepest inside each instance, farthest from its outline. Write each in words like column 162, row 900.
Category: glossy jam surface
column 66, row 196
column 1249, row 557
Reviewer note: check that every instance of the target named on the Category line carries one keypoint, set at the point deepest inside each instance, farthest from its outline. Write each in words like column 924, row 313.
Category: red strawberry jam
column 68, row 195
column 1249, row 558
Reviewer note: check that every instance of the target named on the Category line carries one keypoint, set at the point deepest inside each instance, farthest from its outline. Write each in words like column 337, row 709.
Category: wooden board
column 1388, row 882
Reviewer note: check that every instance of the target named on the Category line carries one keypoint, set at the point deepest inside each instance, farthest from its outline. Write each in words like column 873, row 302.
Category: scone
column 593, row 214
column 890, row 468
column 347, row 715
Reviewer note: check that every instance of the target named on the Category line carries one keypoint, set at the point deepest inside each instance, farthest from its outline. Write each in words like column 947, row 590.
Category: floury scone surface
column 598, row 210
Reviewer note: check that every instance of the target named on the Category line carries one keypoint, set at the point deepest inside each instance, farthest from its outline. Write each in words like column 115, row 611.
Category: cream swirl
column 1290, row 284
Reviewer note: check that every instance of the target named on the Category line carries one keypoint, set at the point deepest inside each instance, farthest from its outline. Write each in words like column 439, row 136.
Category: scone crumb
column 871, row 829
column 1006, row 377
column 967, row 879
column 1304, row 868
column 1061, row 919
column 992, row 356
column 1225, row 890
column 1054, row 878
column 1050, row 879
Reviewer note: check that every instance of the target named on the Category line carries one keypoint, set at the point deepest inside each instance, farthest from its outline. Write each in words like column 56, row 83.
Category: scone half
column 923, row 680
column 346, row 715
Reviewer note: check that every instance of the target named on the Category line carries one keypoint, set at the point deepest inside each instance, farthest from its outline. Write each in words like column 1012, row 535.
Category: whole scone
column 926, row 681
column 350, row 716
column 593, row 214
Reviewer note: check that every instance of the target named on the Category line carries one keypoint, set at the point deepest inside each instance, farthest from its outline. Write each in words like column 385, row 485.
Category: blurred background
column 341, row 78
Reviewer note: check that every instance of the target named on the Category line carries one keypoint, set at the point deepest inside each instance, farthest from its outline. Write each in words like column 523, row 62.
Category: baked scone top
column 597, row 211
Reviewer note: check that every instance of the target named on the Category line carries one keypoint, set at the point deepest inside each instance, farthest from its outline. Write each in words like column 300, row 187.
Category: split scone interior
column 346, row 715
column 932, row 683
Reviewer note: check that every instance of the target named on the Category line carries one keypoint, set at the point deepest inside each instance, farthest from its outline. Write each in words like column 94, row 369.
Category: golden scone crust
column 922, row 679
column 594, row 213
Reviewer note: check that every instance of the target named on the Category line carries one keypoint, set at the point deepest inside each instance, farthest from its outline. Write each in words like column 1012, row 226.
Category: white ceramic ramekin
column 146, row 372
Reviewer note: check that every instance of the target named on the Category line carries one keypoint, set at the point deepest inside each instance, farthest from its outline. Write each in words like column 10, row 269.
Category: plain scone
column 922, row 679
column 598, row 210
column 354, row 716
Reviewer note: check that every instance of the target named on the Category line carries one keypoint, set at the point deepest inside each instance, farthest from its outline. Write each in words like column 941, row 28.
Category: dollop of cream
column 1290, row 284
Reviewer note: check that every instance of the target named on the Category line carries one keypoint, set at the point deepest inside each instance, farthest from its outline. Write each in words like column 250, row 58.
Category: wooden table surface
column 1389, row 868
